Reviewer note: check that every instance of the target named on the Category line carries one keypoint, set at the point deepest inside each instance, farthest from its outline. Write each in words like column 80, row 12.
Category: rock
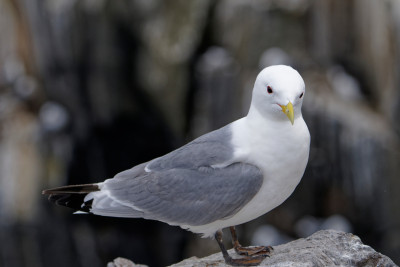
column 323, row 248
column 122, row 262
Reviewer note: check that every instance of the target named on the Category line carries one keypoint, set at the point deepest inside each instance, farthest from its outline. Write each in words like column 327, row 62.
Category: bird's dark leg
column 247, row 261
column 248, row 251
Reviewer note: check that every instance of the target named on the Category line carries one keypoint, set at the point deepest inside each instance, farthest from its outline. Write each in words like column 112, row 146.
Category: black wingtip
column 75, row 202
column 72, row 196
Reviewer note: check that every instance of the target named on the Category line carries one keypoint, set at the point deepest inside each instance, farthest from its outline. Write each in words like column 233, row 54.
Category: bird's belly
column 279, row 183
column 282, row 166
column 282, row 161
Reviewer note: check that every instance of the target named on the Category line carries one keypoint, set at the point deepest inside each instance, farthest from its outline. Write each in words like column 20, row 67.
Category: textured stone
column 324, row 248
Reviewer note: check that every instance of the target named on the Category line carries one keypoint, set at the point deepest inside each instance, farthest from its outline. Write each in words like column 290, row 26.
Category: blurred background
column 89, row 88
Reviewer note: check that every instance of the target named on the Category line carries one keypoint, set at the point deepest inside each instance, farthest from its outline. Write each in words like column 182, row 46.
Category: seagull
column 222, row 179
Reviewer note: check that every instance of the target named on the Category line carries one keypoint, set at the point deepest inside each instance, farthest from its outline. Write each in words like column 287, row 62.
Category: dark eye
column 301, row 95
column 269, row 90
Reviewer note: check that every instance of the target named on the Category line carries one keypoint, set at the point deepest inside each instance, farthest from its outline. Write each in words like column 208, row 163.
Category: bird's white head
column 278, row 93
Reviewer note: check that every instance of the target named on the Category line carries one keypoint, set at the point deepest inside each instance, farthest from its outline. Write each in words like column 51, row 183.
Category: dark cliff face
column 90, row 88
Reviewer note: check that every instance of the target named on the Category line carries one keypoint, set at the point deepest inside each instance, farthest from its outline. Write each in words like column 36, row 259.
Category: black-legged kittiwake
column 224, row 178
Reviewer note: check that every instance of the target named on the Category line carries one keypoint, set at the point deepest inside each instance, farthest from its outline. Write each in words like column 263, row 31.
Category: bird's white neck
column 272, row 125
column 258, row 117
column 255, row 118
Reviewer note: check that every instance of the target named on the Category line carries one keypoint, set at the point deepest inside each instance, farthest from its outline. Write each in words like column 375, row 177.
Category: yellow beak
column 288, row 110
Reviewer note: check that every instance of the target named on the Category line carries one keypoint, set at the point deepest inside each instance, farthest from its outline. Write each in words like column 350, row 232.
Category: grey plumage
column 183, row 187
column 187, row 196
column 209, row 149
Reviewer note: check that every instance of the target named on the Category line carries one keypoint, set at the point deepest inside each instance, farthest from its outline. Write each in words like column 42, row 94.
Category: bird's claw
column 250, row 251
column 246, row 261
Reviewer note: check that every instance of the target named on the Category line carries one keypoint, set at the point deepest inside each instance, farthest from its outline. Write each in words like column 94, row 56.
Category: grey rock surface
column 122, row 262
column 323, row 248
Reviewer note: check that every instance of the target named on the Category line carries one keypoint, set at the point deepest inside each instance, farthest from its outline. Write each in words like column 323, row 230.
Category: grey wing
column 207, row 150
column 183, row 187
column 188, row 196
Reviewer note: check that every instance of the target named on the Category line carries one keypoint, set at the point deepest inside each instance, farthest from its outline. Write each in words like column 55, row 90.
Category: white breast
column 281, row 151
